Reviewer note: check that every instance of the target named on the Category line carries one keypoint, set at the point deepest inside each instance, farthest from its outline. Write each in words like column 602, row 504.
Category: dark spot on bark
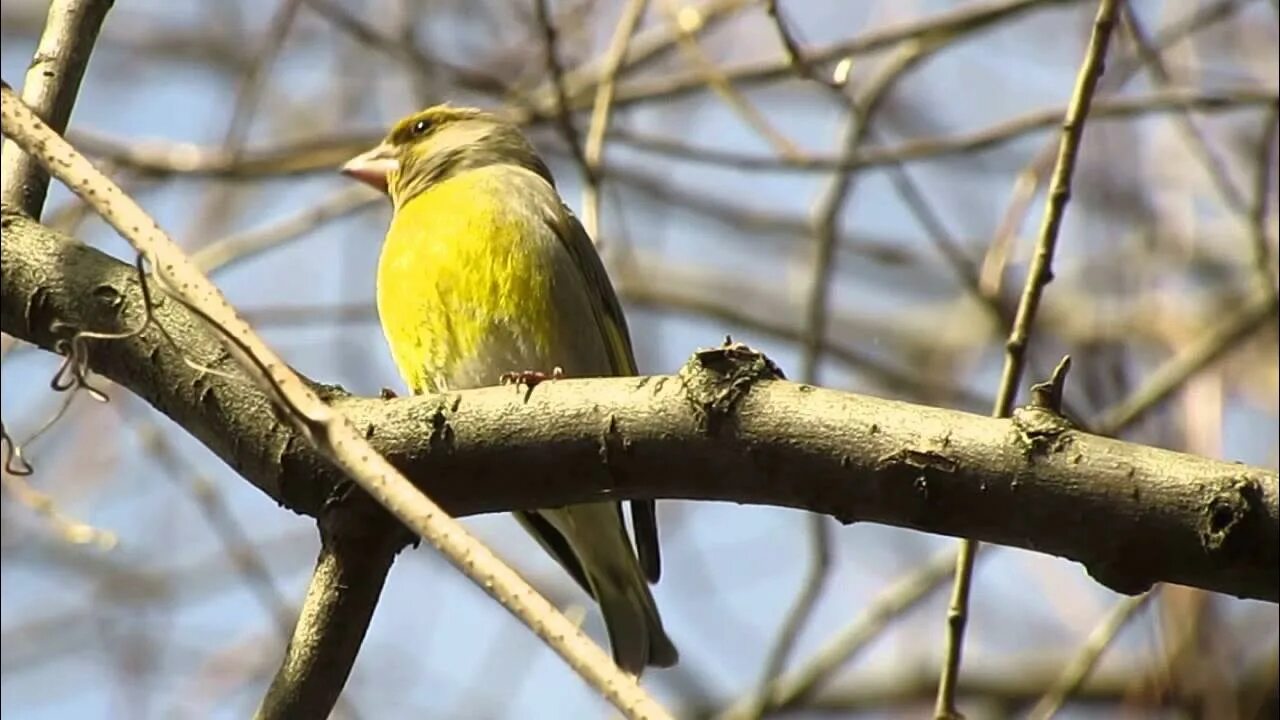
column 1225, row 519
column 108, row 295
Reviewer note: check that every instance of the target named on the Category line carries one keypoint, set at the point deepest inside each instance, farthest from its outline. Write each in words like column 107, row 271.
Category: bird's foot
column 530, row 378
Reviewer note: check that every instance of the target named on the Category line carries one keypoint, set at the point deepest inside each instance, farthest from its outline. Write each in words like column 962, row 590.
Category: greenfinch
column 485, row 271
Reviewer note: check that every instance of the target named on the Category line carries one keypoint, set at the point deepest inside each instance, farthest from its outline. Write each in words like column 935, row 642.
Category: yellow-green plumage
column 484, row 271
column 441, row 301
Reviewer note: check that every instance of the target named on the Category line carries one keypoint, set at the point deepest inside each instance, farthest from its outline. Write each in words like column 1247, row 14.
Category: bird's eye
column 420, row 127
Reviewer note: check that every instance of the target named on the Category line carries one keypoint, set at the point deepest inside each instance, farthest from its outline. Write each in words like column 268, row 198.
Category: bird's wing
column 556, row 546
column 613, row 327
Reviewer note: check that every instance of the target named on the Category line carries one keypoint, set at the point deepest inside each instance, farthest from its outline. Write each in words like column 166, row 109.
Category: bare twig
column 563, row 113
column 50, row 90
column 648, row 47
column 230, row 532
column 1010, row 686
column 601, row 111
column 1218, row 340
column 964, row 19
column 993, row 137
column 212, row 211
column 1033, row 175
column 902, row 182
column 232, row 249
column 791, row 689
column 1077, row 671
column 1038, row 276
column 68, row 529
column 722, row 85
column 159, row 159
column 409, row 55
column 1213, row 164
column 1260, row 205
column 811, row 588
column 791, row 49
column 836, row 198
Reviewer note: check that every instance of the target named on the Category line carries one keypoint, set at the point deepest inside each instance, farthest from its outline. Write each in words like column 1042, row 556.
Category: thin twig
column 602, row 110
column 1028, row 182
column 50, row 89
column 14, row 481
column 648, row 47
column 67, row 528
column 964, row 19
column 563, row 113
column 1038, row 276
column 212, row 212
column 1218, row 340
column 912, row 196
column 409, row 55
column 1195, row 139
column 220, row 254
column 811, row 587
column 836, row 198
column 1260, row 233
column 788, row 690
column 791, row 49
column 235, row 540
column 161, row 159
column 326, row 428
column 993, row 137
column 722, row 85
column 1077, row 671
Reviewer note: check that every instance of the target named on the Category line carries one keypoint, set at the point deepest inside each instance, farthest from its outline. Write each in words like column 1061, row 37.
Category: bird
column 485, row 276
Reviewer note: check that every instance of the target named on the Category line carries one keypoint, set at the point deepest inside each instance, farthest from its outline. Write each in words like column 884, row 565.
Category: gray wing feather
column 613, row 327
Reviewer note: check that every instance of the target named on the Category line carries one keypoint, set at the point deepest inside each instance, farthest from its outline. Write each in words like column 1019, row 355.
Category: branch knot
column 717, row 379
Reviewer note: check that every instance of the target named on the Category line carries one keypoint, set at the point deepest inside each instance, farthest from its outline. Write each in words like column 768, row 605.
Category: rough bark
column 723, row 429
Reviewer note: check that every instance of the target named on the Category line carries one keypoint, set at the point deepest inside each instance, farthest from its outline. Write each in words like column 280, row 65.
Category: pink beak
column 373, row 167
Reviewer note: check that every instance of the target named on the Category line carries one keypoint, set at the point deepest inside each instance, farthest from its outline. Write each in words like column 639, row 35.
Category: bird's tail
column 607, row 562
column 631, row 618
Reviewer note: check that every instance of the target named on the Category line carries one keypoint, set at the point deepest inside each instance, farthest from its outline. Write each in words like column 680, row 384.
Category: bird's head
column 435, row 144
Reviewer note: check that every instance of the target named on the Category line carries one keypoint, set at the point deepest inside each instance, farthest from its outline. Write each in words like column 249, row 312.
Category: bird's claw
column 530, row 378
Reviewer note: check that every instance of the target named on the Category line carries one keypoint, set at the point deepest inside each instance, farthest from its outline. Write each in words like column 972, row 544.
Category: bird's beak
column 373, row 167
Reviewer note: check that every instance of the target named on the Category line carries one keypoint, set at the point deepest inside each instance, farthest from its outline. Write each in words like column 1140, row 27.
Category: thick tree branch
column 357, row 547
column 1132, row 514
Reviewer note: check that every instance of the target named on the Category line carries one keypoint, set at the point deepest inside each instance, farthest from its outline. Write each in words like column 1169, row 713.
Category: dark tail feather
column 635, row 630
column 644, row 525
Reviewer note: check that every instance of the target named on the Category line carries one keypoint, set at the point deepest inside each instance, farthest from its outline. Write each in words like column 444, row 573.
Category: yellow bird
column 486, row 272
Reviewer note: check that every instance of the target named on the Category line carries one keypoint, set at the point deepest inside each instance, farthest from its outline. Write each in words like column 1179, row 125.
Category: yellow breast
column 462, row 273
